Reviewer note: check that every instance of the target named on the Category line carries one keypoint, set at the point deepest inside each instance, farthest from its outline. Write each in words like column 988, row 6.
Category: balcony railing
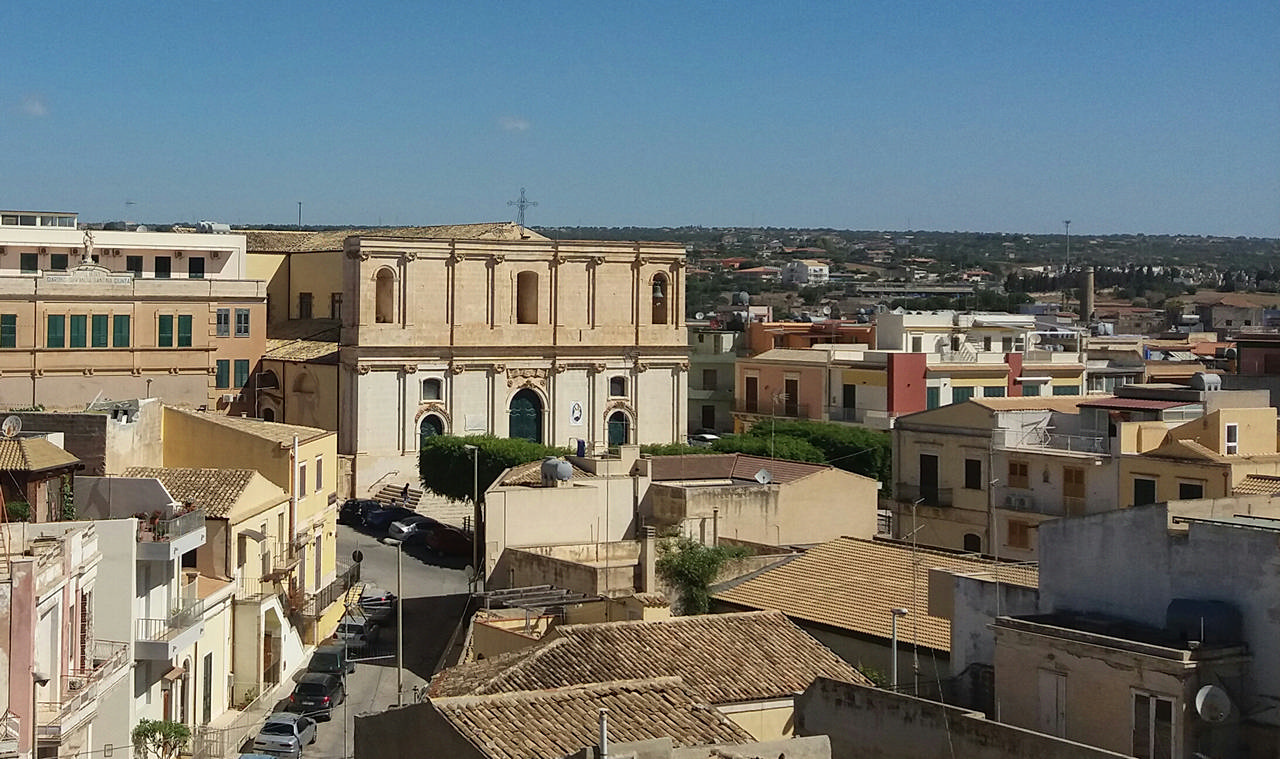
column 786, row 410
column 79, row 688
column 1042, row 438
column 909, row 492
column 168, row 529
column 182, row 618
column 314, row 604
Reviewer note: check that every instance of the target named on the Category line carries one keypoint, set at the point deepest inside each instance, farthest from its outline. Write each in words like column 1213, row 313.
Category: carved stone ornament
column 680, row 263
column 362, row 255
column 174, row 370
column 499, row 368
column 409, row 368
column 88, row 371
column 437, row 408
column 496, row 259
column 642, row 366
column 457, row 256
column 559, row 367
column 559, row 259
column 598, row 368
column 137, row 372
column 363, row 368
column 213, row 370
column 682, row 366
column 456, row 367
column 597, row 260
column 619, row 404
column 37, row 372
column 529, row 376
column 410, row 256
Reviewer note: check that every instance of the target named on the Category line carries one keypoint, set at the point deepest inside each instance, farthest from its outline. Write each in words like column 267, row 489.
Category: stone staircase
column 456, row 513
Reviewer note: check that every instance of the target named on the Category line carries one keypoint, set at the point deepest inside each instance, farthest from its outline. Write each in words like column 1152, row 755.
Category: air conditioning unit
column 230, row 397
column 1017, row 502
column 75, row 684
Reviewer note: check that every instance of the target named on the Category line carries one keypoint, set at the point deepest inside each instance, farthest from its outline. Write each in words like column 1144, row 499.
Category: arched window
column 527, row 297
column 660, row 298
column 385, row 290
column 972, row 542
column 431, row 389
column 617, row 387
column 619, row 429
column 431, row 426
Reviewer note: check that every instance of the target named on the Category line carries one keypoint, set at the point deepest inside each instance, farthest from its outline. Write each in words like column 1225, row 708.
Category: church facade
column 553, row 341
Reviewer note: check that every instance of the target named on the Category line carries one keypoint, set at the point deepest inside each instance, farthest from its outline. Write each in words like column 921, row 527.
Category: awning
column 173, row 674
column 1035, row 379
column 254, row 535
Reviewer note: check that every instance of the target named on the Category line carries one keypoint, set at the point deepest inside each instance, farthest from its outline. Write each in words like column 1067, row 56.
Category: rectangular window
column 1144, row 491
column 224, row 323
column 932, row 397
column 986, row 343
column 55, row 334
column 1066, row 389
column 319, row 474
column 304, row 305
column 1030, row 389
column 992, row 391
column 302, row 479
column 28, row 263
column 57, row 262
column 917, row 343
column 335, row 306
column 242, row 322
column 78, row 324
column 1190, row 491
column 708, row 379
column 184, row 330
column 1006, row 344
column 164, row 267
column 98, row 325
column 973, row 474
column 961, row 394
column 242, row 372
column 1017, row 534
column 1018, row 477
column 1233, row 438
column 164, row 331
column 1152, row 727
column 133, row 265
column 120, row 331
column 195, row 267
column 8, row 330
column 750, row 389
column 223, row 377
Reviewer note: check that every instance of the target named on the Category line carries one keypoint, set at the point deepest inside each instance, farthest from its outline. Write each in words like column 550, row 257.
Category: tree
column 161, row 739
column 781, row 446
column 690, row 567
column 446, row 466
column 855, row 449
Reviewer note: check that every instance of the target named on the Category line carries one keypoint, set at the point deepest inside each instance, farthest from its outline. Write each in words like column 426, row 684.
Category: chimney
column 648, row 560
column 1086, row 296
column 604, row 734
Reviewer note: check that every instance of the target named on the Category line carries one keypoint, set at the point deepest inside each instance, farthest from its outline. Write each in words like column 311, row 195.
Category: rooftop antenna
column 299, row 214
column 521, row 205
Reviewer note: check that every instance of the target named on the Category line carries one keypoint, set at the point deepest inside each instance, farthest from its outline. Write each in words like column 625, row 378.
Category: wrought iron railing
column 181, row 618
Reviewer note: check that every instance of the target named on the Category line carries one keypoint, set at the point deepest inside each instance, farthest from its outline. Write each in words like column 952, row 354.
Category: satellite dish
column 699, row 315
column 12, row 426
column 763, row 477
column 826, row 310
column 1213, row 704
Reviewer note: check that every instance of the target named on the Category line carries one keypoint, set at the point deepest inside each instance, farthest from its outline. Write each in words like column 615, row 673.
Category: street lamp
column 894, row 614
column 38, row 680
column 399, row 546
column 478, row 579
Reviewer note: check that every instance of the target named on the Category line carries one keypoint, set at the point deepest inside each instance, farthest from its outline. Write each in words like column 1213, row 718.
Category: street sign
column 357, row 556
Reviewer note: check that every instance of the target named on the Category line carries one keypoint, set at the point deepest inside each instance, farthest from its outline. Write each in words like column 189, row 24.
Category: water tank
column 741, row 299
column 1206, row 381
column 554, row 470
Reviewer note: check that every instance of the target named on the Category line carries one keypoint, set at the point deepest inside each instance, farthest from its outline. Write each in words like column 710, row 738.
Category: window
column 184, row 330
column 973, row 474
column 98, row 331
column 1018, row 477
column 527, row 297
column 164, row 267
column 1144, row 491
column 319, row 474
column 242, row 372
column 335, row 306
column 55, row 334
column 242, row 322
column 120, row 331
column 790, row 397
column 961, row 394
column 660, row 304
column 709, row 379
column 972, row 542
column 223, row 376
column 992, row 391
column 78, row 323
column 302, row 478
column 385, row 296
column 1030, row 389
column 195, row 267
column 164, row 331
column 431, row 389
column 8, row 330
column 1233, row 438
column 304, row 305
column 1190, row 491
column 932, row 397
column 1017, row 534
column 1152, row 727
column 986, row 343
column 917, row 344
column 1006, row 344
column 223, row 322
column 617, row 387
column 133, row 264
column 28, row 263
column 750, row 389
column 1066, row 389
column 57, row 261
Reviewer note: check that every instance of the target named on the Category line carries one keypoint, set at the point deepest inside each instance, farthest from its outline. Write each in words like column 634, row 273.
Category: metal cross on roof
column 521, row 204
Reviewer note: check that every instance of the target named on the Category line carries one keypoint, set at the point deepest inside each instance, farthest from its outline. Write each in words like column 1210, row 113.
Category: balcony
column 168, row 539
column 1046, row 440
column 79, row 690
column 164, row 638
column 780, row 410
column 909, row 492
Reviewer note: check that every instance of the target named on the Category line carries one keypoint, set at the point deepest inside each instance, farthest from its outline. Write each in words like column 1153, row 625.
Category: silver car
column 358, row 633
column 285, row 734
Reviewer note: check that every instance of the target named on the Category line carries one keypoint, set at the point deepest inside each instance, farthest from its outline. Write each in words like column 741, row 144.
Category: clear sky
column 1154, row 117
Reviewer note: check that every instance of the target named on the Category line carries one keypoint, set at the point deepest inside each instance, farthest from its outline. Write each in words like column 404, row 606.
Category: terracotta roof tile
column 726, row 658
column 851, row 583
column 1258, row 484
column 277, row 432
column 32, row 454
column 216, row 490
column 303, row 340
column 552, row 724
column 723, row 466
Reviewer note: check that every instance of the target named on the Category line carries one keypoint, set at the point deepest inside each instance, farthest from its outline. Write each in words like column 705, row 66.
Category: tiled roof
column 722, row 466
column 851, row 584
column 555, row 723
column 1147, row 404
column 726, row 658
column 303, row 340
column 530, row 473
column 1069, row 404
column 32, row 454
column 276, row 432
column 268, row 241
column 1258, row 484
column 216, row 490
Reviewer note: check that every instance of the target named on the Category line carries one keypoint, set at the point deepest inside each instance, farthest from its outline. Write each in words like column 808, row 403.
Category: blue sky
column 1154, row 117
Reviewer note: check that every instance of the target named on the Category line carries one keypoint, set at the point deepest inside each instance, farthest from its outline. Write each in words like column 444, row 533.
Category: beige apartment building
column 88, row 315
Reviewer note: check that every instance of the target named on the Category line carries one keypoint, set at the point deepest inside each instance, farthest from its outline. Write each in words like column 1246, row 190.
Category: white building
column 806, row 272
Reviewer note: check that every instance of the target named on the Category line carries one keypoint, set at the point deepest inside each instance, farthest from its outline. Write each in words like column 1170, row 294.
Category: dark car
column 448, row 540
column 353, row 510
column 331, row 660
column 411, row 529
column 376, row 604
column 316, row 694
column 378, row 520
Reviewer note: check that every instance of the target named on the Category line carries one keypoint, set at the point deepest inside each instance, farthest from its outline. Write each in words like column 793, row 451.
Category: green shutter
column 932, row 397
column 961, row 394
column 1030, row 389
column 55, row 335
column 78, row 324
column 99, row 336
column 224, row 374
column 184, row 330
column 164, row 334
column 242, row 372
column 8, row 330
column 120, row 331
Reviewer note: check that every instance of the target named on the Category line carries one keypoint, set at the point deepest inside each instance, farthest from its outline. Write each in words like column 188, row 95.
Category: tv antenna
column 521, row 205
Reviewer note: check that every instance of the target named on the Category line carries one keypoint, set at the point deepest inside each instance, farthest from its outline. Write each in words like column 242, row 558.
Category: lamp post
column 38, row 679
column 894, row 614
column 477, row 579
column 399, row 546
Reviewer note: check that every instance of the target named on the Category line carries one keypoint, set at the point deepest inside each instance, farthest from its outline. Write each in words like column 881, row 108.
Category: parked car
column 331, row 660
column 411, row 528
column 376, row 604
column 448, row 540
column 316, row 694
column 358, row 633
column 285, row 734
column 703, row 439
column 380, row 519
column 353, row 510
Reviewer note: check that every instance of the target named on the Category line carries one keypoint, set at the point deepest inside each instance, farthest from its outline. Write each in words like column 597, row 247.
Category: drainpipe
column 293, row 490
column 604, row 734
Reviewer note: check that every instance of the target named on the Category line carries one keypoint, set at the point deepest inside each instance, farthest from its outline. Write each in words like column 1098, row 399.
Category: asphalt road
column 434, row 595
